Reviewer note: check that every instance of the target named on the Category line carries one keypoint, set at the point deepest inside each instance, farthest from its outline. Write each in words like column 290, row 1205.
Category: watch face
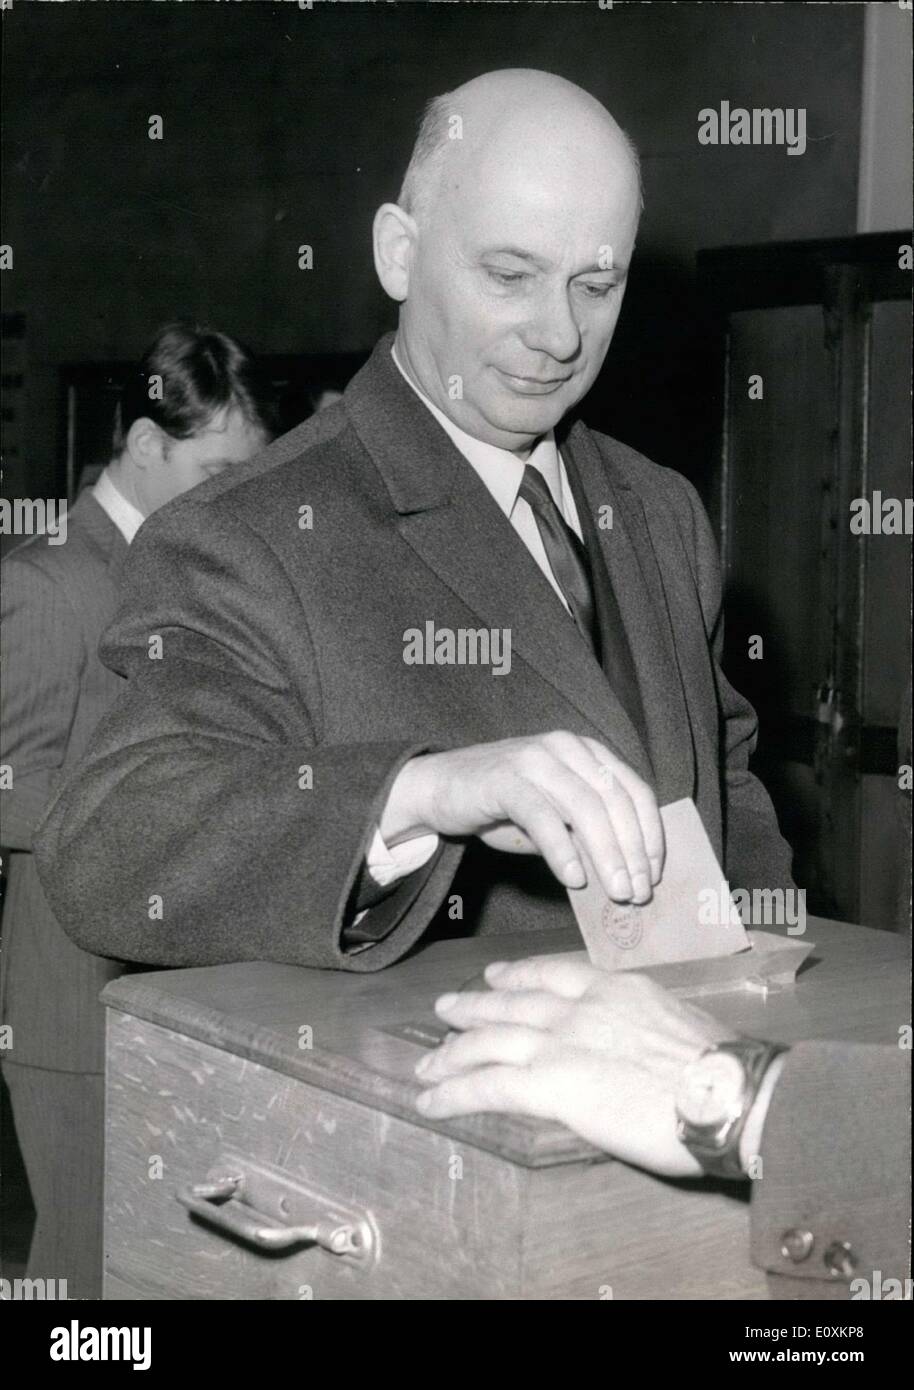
column 712, row 1089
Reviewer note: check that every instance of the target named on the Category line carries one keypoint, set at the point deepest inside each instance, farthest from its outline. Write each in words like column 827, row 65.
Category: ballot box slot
column 276, row 1215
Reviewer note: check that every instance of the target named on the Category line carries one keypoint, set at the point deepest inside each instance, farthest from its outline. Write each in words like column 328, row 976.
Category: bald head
column 510, row 109
column 508, row 251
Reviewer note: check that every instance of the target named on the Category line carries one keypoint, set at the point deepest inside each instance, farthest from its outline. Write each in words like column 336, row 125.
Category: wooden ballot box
column 262, row 1141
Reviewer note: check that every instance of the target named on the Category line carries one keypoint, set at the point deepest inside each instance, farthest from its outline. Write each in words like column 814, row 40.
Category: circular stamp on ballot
column 622, row 921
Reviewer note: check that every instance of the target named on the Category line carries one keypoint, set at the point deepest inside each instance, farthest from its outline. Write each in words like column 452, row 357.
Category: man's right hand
column 538, row 795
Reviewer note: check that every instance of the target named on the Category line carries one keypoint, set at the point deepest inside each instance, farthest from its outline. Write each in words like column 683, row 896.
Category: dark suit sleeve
column 43, row 655
column 835, row 1153
column 756, row 854
column 213, row 819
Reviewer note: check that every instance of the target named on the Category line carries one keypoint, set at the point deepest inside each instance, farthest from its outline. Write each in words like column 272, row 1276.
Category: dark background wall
column 284, row 126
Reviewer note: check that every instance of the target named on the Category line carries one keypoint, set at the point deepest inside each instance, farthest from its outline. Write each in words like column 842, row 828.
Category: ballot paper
column 691, row 915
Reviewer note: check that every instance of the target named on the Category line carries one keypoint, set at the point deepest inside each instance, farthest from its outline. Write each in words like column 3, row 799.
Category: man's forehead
column 535, row 187
column 545, row 231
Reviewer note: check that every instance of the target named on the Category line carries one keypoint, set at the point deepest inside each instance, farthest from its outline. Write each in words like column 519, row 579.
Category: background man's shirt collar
column 127, row 518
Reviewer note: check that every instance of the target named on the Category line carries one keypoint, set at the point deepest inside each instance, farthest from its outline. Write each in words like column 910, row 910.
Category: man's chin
column 531, row 416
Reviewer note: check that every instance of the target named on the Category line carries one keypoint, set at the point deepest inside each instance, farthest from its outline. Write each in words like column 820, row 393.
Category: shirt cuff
column 386, row 866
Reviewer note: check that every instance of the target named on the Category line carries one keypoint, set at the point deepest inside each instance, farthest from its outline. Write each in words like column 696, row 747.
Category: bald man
column 437, row 639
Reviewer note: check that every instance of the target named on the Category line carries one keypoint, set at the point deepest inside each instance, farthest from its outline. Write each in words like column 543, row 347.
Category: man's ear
column 144, row 443
column 395, row 234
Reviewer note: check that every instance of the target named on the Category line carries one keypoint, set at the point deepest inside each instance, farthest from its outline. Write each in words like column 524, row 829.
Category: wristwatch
column 715, row 1095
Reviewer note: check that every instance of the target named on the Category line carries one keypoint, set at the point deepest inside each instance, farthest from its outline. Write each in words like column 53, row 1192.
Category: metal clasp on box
column 265, row 1208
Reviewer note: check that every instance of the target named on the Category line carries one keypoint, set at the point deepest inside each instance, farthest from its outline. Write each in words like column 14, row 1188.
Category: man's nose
column 553, row 329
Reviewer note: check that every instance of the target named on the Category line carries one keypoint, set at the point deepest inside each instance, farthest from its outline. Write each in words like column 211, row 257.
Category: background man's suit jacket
column 227, row 801
column 57, row 601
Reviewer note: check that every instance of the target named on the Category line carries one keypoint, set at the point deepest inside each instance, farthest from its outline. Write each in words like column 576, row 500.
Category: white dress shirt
column 502, row 473
column 127, row 518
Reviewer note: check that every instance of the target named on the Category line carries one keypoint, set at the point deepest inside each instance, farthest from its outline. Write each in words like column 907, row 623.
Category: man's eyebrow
column 542, row 264
column 515, row 251
column 615, row 268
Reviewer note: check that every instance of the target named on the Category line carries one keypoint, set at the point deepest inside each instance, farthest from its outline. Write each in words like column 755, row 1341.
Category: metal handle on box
column 216, row 1202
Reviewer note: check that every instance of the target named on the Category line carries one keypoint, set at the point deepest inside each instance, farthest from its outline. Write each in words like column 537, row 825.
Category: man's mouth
column 533, row 385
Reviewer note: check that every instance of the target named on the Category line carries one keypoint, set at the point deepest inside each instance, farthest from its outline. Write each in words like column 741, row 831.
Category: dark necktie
column 565, row 553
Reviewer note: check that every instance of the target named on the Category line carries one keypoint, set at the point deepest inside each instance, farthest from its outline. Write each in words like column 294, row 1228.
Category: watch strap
column 722, row 1160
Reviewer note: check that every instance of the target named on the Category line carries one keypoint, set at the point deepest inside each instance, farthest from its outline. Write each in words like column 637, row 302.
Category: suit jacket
column 226, row 802
column 836, row 1164
column 57, row 600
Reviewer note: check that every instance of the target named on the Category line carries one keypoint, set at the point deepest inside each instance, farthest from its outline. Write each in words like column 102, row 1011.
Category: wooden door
column 815, row 418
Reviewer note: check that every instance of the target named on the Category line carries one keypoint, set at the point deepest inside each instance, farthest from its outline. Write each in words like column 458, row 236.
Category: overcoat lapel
column 447, row 516
column 636, row 579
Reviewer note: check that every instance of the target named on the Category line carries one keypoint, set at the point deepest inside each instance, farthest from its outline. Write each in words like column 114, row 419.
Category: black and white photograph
column 455, row 787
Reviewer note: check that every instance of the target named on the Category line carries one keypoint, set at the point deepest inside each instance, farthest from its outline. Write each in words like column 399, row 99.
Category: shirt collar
column 500, row 470
column 127, row 518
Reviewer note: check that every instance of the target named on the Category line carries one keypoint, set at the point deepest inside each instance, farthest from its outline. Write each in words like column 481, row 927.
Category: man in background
column 195, row 406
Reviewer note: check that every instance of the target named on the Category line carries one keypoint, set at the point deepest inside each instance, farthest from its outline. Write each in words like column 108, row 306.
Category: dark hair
column 199, row 372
